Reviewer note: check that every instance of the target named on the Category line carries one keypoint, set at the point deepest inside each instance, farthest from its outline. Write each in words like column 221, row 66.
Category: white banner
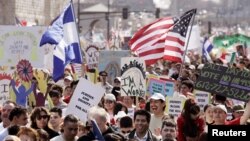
column 174, row 106
column 18, row 43
column 86, row 95
column 202, row 98
column 133, row 77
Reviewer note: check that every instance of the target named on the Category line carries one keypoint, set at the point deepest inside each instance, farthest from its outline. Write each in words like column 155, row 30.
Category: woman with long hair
column 39, row 120
column 190, row 124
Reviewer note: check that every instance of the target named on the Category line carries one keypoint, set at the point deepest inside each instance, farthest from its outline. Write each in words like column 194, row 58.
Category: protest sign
column 174, row 106
column 21, row 43
column 86, row 95
column 111, row 63
column 4, row 87
column 225, row 81
column 92, row 56
column 133, row 77
column 163, row 86
column 169, row 87
column 156, row 86
column 202, row 98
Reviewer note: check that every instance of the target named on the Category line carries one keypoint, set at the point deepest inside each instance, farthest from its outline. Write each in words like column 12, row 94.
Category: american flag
column 175, row 39
column 145, row 42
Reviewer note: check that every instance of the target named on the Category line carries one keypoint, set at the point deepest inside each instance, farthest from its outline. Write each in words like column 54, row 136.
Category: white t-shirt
column 60, row 138
column 155, row 122
column 131, row 112
column 1, row 126
column 3, row 134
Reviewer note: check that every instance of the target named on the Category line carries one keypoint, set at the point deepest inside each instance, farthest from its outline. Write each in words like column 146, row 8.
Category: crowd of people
column 120, row 118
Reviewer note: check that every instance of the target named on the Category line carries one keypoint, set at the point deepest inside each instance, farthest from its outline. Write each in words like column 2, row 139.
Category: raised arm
column 246, row 115
column 30, row 89
column 12, row 83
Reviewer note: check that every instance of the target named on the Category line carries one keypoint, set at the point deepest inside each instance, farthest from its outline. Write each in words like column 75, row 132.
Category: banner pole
column 184, row 55
column 137, row 103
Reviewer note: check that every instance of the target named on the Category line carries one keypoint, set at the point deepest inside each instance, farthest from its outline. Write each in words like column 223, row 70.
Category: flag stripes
column 148, row 42
column 175, row 40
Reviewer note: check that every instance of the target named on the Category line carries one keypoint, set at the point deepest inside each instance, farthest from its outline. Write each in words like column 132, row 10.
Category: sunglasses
column 43, row 117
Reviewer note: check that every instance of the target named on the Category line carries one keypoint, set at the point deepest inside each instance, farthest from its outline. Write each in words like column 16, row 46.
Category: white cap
column 200, row 66
column 69, row 78
column 158, row 96
column 118, row 78
column 110, row 97
column 192, row 67
column 222, row 107
column 119, row 115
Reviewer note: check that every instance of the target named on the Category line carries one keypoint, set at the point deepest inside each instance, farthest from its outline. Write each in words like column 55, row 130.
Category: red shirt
column 67, row 99
column 233, row 122
column 180, row 124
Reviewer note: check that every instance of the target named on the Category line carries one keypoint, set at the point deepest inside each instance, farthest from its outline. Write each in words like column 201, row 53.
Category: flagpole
column 77, row 31
column 184, row 55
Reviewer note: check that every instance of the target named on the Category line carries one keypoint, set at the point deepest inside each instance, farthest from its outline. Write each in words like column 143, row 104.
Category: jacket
column 150, row 137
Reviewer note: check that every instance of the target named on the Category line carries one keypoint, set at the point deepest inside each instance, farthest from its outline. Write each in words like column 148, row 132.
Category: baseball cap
column 118, row 78
column 238, row 108
column 69, row 78
column 192, row 67
column 119, row 115
column 200, row 66
column 158, row 96
column 222, row 107
column 110, row 97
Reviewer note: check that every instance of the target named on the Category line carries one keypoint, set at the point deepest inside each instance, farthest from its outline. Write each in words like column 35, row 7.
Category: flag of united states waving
column 175, row 38
column 145, row 42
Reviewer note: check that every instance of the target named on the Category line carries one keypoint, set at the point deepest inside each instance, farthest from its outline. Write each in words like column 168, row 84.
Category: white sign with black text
column 86, row 95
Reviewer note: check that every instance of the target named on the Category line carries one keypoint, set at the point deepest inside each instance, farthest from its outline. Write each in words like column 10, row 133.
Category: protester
column 157, row 106
column 57, row 100
column 126, row 125
column 69, row 129
column 109, row 105
column 42, row 135
column 220, row 116
column 141, row 131
column 27, row 134
column 129, row 102
column 169, row 130
column 7, row 107
column 55, row 119
column 39, row 120
column 238, row 111
column 73, row 86
column 17, row 116
column 103, row 81
column 100, row 116
column 208, row 114
column 190, row 125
